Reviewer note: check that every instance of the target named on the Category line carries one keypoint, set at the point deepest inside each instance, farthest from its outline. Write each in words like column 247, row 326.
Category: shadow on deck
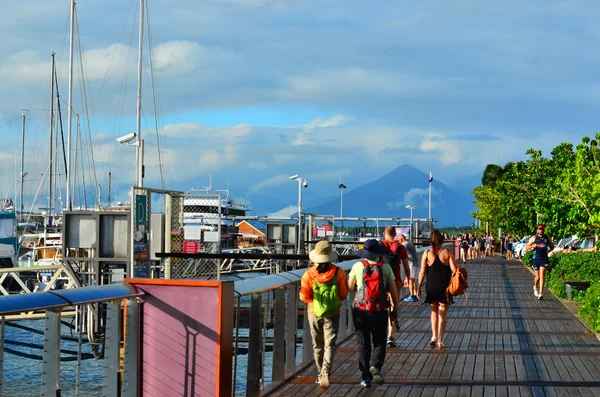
column 500, row 341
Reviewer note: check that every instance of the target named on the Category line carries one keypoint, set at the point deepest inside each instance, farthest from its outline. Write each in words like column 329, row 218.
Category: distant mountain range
column 385, row 197
column 388, row 196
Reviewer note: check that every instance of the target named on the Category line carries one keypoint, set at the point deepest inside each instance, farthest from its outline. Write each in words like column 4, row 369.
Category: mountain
column 388, row 196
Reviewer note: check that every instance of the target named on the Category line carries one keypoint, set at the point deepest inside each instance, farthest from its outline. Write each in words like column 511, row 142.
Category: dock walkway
column 500, row 341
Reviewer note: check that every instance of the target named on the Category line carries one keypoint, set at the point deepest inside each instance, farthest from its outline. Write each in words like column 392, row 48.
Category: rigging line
column 152, row 79
column 113, row 57
column 85, row 104
column 62, row 136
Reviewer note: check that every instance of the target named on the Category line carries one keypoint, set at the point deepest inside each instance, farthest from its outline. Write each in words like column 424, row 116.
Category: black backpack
column 391, row 258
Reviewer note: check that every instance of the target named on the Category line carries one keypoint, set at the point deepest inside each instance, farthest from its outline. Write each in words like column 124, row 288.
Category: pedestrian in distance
column 437, row 265
column 396, row 256
column 482, row 247
column 509, row 246
column 541, row 243
column 323, row 288
column 414, row 265
column 464, row 248
column 372, row 279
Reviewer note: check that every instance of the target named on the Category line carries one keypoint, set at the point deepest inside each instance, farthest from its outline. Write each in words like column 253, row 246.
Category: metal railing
column 272, row 340
column 115, row 380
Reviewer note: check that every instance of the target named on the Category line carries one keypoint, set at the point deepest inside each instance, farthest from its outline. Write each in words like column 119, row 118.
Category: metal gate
column 194, row 226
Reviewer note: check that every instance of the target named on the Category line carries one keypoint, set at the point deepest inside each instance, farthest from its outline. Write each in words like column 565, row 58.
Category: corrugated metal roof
column 257, row 225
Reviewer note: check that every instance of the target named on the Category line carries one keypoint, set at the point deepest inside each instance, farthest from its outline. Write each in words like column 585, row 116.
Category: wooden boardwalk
column 500, row 341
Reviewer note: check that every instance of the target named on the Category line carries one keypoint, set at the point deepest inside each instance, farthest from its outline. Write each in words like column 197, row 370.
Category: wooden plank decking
column 500, row 342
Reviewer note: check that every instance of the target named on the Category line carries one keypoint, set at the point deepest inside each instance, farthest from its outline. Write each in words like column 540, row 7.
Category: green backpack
column 326, row 300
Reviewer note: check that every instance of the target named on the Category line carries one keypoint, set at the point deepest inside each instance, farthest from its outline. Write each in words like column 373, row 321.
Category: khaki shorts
column 414, row 272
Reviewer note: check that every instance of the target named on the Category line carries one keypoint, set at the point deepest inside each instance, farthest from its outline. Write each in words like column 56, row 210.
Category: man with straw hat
column 323, row 288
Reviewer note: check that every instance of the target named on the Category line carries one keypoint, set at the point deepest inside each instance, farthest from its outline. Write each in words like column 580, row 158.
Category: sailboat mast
column 22, row 162
column 50, row 193
column 75, row 160
column 139, row 152
column 70, row 106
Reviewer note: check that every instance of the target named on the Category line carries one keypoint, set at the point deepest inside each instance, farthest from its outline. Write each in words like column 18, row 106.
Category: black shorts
column 537, row 263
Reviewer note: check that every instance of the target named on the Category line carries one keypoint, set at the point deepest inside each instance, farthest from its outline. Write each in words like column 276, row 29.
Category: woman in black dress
column 438, row 264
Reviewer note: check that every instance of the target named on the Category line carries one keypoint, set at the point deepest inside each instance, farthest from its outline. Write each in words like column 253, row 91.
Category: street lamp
column 301, row 182
column 342, row 187
column 411, row 208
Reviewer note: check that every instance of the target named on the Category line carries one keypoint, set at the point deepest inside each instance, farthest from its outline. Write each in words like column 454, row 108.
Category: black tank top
column 438, row 278
column 541, row 254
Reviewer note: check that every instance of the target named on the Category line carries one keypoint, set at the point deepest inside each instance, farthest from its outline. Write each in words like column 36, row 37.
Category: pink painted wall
column 179, row 340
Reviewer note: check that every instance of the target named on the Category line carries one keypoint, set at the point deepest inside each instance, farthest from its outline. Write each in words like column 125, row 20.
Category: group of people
column 474, row 247
column 385, row 267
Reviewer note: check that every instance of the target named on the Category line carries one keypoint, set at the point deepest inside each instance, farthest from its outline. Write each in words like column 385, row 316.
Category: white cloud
column 273, row 181
column 448, row 151
column 285, row 212
column 183, row 57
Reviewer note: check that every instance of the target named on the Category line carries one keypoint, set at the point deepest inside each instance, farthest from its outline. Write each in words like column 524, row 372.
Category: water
column 23, row 375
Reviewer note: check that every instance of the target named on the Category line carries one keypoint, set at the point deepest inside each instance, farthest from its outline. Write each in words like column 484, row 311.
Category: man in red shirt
column 398, row 254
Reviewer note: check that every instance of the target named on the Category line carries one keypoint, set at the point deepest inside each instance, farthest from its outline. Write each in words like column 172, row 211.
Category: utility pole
column 139, row 152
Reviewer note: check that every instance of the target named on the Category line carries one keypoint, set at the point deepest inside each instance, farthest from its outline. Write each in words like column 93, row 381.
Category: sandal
column 433, row 341
column 440, row 345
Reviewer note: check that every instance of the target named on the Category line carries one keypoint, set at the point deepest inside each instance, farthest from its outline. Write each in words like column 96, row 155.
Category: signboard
column 141, row 206
column 190, row 247
column 192, row 232
column 211, row 237
column 402, row 230
column 141, row 270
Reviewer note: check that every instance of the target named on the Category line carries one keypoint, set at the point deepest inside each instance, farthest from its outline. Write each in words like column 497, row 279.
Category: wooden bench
column 580, row 285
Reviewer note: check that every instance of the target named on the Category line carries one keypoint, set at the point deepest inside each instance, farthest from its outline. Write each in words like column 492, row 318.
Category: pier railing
column 53, row 304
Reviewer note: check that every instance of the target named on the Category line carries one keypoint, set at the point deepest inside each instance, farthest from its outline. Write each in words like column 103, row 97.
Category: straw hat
column 323, row 253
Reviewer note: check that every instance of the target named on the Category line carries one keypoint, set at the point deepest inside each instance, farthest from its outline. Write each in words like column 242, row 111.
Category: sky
column 253, row 91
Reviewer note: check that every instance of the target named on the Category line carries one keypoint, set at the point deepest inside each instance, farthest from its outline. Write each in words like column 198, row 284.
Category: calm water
column 22, row 376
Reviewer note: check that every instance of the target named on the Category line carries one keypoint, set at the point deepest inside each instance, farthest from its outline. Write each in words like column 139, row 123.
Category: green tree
column 491, row 175
column 487, row 201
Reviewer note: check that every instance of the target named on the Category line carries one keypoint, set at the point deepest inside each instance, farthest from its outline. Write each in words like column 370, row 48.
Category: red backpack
column 372, row 297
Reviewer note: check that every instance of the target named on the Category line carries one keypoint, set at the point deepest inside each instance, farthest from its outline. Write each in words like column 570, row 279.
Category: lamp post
column 342, row 187
column 301, row 182
column 411, row 208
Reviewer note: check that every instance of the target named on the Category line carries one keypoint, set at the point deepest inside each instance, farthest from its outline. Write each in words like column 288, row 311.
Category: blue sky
column 252, row 91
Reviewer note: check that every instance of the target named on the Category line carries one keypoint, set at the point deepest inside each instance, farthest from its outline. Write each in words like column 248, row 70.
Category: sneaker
column 408, row 299
column 324, row 383
column 536, row 292
column 414, row 298
column 318, row 381
column 377, row 376
column 365, row 383
column 391, row 342
column 540, row 296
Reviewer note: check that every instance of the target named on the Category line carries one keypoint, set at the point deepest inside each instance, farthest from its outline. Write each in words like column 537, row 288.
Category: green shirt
column 357, row 273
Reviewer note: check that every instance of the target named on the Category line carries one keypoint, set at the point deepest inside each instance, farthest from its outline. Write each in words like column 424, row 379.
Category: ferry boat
column 201, row 216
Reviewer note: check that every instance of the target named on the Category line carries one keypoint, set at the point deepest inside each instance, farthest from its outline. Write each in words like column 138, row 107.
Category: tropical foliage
column 562, row 191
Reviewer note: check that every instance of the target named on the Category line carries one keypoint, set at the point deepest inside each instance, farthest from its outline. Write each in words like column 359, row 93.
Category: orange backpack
column 458, row 283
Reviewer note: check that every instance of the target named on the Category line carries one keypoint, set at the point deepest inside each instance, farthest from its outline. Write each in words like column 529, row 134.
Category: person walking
column 464, row 248
column 437, row 265
column 508, row 246
column 482, row 248
column 323, row 288
column 414, row 267
column 541, row 243
column 396, row 254
column 372, row 279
